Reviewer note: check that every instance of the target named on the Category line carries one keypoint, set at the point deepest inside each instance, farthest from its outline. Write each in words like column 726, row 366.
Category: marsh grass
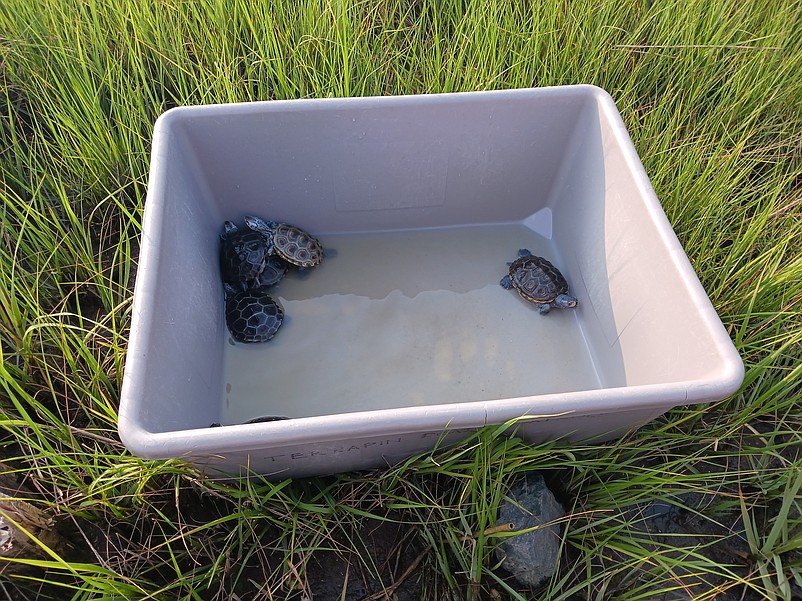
column 711, row 96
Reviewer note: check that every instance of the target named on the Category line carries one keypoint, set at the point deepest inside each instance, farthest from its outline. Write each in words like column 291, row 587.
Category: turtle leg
column 231, row 289
column 506, row 283
column 524, row 252
column 545, row 308
column 229, row 227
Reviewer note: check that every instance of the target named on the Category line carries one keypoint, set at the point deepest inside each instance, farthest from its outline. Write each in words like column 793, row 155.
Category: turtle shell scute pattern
column 296, row 246
column 253, row 316
column 274, row 271
column 242, row 256
column 537, row 280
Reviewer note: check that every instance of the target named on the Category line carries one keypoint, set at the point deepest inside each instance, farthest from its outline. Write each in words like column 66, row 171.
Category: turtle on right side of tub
column 539, row 282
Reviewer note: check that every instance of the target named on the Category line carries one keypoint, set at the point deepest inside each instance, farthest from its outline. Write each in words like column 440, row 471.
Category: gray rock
column 531, row 557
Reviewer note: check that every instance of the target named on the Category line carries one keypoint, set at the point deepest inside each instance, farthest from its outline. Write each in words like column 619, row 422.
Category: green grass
column 711, row 95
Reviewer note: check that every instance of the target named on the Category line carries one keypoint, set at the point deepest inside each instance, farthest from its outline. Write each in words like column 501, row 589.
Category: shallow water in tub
column 412, row 318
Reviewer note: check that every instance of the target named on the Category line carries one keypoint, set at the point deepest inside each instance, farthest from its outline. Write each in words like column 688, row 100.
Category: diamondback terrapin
column 252, row 315
column 255, row 420
column 539, row 282
column 288, row 242
column 266, row 418
column 243, row 254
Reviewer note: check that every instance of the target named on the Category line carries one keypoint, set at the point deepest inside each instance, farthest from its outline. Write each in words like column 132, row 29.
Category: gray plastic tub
column 404, row 339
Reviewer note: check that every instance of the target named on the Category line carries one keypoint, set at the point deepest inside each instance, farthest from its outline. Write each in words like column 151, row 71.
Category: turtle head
column 564, row 301
column 228, row 228
column 258, row 224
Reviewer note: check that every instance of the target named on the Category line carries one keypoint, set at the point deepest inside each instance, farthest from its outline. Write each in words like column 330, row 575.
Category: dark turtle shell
column 266, row 418
column 536, row 279
column 252, row 315
column 296, row 246
column 275, row 269
column 243, row 254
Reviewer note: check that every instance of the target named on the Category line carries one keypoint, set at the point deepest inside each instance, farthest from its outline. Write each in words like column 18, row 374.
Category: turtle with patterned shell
column 245, row 258
column 539, row 282
column 292, row 244
column 252, row 315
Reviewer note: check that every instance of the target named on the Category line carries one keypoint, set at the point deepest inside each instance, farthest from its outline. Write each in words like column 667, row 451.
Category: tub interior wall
column 175, row 389
column 615, row 254
column 339, row 167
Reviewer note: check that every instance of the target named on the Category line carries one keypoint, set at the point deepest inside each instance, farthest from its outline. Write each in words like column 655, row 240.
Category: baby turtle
column 266, row 418
column 288, row 242
column 243, row 254
column 255, row 420
column 245, row 259
column 539, row 282
column 252, row 315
